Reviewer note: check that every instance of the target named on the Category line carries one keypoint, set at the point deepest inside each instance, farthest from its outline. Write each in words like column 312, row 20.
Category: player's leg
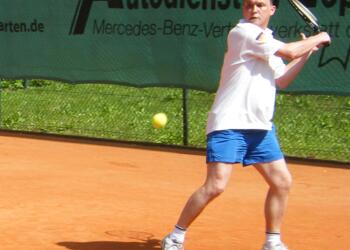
column 279, row 179
column 266, row 156
column 218, row 175
column 224, row 148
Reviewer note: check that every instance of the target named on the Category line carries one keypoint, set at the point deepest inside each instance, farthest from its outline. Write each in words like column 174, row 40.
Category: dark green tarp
column 178, row 43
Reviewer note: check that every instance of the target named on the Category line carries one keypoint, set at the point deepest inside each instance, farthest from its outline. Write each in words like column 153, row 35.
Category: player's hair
column 275, row 2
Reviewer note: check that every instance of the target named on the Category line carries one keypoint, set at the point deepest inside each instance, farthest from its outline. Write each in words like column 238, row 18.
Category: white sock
column 273, row 238
column 178, row 234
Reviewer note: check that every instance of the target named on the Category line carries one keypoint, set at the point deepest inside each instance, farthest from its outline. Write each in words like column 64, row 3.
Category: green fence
column 156, row 42
column 309, row 126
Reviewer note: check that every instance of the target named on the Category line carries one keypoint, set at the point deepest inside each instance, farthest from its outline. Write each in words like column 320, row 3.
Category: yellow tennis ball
column 159, row 120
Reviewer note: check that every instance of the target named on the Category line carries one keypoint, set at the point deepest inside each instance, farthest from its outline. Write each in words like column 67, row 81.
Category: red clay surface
column 59, row 195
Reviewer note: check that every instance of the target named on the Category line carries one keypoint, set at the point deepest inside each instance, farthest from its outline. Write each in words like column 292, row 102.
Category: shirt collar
column 245, row 22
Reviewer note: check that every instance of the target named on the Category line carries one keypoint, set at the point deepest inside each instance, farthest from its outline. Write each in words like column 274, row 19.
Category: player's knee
column 284, row 184
column 218, row 190
column 215, row 190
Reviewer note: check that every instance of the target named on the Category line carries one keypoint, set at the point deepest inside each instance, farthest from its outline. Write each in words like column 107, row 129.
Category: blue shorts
column 243, row 146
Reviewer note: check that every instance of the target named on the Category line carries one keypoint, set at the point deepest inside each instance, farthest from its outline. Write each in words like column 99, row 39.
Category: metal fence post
column 25, row 83
column 185, row 116
column 0, row 103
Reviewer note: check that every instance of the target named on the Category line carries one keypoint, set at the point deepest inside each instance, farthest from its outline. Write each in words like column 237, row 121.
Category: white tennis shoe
column 169, row 244
column 279, row 246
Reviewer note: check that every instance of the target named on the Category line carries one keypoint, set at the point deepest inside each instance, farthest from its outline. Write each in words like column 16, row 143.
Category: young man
column 239, row 128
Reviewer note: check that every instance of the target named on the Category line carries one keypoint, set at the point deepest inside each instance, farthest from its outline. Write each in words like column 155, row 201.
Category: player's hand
column 325, row 39
column 303, row 37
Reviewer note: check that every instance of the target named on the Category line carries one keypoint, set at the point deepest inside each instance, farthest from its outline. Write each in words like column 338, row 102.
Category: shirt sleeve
column 263, row 45
column 249, row 42
column 277, row 65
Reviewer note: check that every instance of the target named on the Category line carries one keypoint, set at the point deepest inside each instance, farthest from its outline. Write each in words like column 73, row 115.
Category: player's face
column 258, row 11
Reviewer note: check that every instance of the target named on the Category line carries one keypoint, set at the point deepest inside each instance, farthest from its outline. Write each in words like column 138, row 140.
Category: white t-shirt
column 246, row 95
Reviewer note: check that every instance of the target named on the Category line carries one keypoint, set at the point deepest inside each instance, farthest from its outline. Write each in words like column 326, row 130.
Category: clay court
column 78, row 195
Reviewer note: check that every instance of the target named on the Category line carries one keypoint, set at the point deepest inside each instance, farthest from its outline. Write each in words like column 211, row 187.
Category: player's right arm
column 291, row 71
column 295, row 65
column 293, row 50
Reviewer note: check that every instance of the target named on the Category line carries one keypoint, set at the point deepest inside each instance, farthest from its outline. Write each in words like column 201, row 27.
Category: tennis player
column 239, row 128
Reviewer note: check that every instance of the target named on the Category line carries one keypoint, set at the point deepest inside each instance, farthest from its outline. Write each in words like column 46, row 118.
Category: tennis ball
column 159, row 120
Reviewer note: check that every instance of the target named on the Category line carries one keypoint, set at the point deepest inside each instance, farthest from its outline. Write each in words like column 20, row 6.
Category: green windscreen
column 175, row 43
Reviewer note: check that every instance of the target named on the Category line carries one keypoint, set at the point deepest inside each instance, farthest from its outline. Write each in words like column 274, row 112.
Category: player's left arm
column 294, row 50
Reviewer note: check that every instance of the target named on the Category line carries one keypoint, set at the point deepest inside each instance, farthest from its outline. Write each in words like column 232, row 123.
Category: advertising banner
column 169, row 43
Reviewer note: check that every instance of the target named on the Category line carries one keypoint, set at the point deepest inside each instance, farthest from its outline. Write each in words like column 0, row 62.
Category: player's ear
column 273, row 9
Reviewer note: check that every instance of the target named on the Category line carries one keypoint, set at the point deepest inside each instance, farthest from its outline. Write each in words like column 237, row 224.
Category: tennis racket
column 306, row 15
